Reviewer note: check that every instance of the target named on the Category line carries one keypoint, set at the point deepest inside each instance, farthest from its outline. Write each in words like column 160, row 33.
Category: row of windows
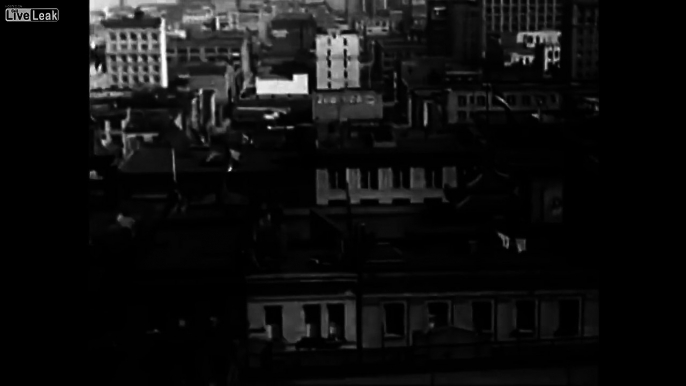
column 133, row 47
column 514, row 3
column 135, row 58
column 401, row 177
column 206, row 58
column 136, row 79
column 134, row 69
column 135, row 36
column 218, row 50
column 343, row 84
column 438, row 314
column 517, row 27
column 273, row 317
column 511, row 99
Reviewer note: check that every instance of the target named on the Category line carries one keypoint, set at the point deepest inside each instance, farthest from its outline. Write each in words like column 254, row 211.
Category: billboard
column 348, row 105
column 295, row 86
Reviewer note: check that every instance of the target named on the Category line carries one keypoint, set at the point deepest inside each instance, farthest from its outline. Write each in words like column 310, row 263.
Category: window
column 511, row 100
column 194, row 51
column 462, row 101
column 433, row 177
column 144, row 47
column 273, row 321
column 471, row 99
column 125, row 79
column 553, row 99
column 526, row 100
column 146, row 79
column 313, row 320
column 401, row 178
column 481, row 100
column 336, row 321
column 525, row 321
column 461, row 115
column 122, row 36
column 115, row 79
column 482, row 316
column 337, row 179
column 113, row 36
column 156, row 79
column 439, row 314
column 154, row 36
column 570, row 317
column 133, row 36
column 369, row 179
column 394, row 319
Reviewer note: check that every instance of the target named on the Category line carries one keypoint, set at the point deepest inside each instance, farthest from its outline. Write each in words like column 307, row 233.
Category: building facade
column 230, row 47
column 456, row 29
column 464, row 102
column 522, row 15
column 580, row 40
column 347, row 105
column 338, row 64
column 136, row 52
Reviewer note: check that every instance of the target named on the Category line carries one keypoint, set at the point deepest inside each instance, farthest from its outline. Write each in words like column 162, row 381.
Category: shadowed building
column 456, row 29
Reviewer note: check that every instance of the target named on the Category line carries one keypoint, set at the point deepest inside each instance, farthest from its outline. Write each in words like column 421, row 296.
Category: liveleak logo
column 32, row 14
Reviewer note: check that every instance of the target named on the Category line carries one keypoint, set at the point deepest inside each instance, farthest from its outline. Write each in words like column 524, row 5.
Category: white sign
column 280, row 33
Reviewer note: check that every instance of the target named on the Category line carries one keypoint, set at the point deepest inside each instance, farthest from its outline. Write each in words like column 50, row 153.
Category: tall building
column 136, row 52
column 338, row 63
column 580, row 45
column 455, row 29
column 522, row 15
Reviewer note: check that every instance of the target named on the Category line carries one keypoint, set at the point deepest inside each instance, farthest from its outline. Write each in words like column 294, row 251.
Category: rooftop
column 132, row 23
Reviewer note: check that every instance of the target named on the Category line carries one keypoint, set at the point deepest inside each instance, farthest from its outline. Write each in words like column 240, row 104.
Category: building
column 466, row 101
column 338, row 64
column 388, row 53
column 291, row 33
column 279, row 85
column 136, row 52
column 230, row 47
column 346, row 105
column 522, row 15
column 455, row 29
column 580, row 44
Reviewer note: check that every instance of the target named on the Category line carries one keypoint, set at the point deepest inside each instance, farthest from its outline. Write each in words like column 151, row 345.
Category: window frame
column 491, row 302
column 449, row 307
column 558, row 331
column 386, row 334
column 518, row 329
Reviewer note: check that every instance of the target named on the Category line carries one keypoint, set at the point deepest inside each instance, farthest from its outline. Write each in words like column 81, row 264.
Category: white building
column 136, row 52
column 338, row 63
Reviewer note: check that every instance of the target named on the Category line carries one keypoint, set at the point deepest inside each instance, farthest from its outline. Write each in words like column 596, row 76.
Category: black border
column 44, row 165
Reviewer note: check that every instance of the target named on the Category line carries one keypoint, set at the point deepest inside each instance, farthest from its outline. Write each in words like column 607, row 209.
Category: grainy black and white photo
column 344, row 192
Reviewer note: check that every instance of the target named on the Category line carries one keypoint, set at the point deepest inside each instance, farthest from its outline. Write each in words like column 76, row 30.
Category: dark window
column 462, row 100
column 113, row 36
column 461, row 115
column 273, row 316
column 122, row 36
column 570, row 316
column 439, row 314
column 146, row 79
column 471, row 99
column 511, row 100
column 401, row 178
column 194, row 51
column 553, row 98
column 482, row 316
column 433, row 178
column 313, row 317
column 369, row 179
column 336, row 320
column 125, row 79
column 337, row 179
column 394, row 319
column 144, row 47
column 481, row 100
column 526, row 100
column 154, row 36
column 526, row 316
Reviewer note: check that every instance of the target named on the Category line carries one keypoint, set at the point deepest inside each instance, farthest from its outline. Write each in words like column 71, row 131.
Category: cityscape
column 328, row 192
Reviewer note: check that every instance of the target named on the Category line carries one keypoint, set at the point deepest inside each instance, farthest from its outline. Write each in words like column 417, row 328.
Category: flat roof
column 132, row 23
